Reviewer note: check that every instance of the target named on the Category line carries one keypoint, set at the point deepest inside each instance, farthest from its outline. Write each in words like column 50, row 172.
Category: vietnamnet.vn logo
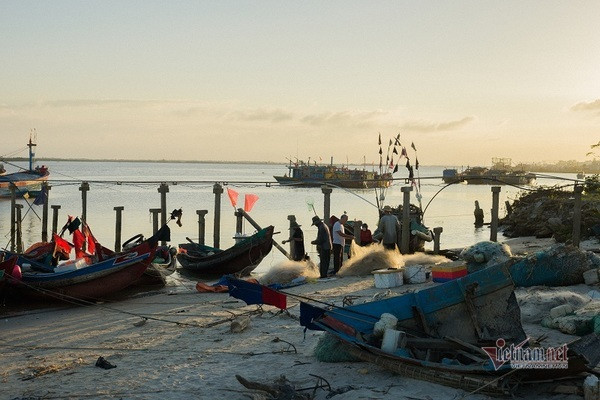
column 527, row 357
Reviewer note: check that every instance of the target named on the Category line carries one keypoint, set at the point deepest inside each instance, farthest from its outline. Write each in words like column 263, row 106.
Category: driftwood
column 281, row 389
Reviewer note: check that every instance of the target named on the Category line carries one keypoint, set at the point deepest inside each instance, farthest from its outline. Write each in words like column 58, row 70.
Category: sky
column 270, row 80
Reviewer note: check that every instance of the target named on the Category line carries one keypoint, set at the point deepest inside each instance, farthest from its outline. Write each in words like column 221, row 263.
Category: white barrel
column 391, row 337
column 416, row 273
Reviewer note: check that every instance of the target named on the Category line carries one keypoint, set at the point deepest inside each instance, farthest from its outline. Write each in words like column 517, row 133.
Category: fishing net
column 330, row 349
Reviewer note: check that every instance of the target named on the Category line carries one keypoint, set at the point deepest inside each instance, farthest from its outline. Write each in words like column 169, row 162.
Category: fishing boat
column 46, row 271
column 27, row 182
column 240, row 259
column 501, row 173
column 443, row 333
column 163, row 265
column 314, row 175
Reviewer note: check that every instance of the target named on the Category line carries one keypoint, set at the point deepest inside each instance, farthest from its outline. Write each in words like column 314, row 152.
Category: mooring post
column 326, row 203
column 18, row 208
column 405, row 242
column 577, row 190
column 84, row 189
column 201, row 225
column 45, row 188
column 154, row 212
column 118, row 225
column 495, row 206
column 437, row 233
column 163, row 190
column 357, row 229
column 238, row 222
column 55, row 209
column 13, row 203
column 218, row 191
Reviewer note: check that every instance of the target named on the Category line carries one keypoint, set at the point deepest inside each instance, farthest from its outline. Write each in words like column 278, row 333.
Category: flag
column 404, row 153
column 254, row 293
column 249, row 201
column 78, row 242
column 416, row 163
column 413, row 146
column 73, row 224
column 380, row 151
column 395, row 169
column 390, row 143
column 90, row 239
column 395, row 151
column 42, row 197
column 233, row 196
column 61, row 246
column 380, row 139
column 391, row 163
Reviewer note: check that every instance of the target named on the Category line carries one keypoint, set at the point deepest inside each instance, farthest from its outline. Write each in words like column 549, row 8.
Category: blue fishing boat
column 27, row 182
column 446, row 329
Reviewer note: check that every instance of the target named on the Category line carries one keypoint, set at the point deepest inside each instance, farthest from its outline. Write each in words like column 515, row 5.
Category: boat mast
column 31, row 146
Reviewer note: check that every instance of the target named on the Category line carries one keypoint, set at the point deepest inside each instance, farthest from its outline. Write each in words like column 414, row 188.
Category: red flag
column 78, row 241
column 274, row 298
column 60, row 245
column 233, row 196
column 91, row 240
column 249, row 201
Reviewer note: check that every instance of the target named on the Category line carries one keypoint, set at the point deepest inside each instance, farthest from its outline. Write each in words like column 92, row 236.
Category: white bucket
column 391, row 340
column 416, row 273
column 388, row 278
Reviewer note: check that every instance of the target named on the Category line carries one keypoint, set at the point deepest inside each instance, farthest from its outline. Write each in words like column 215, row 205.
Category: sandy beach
column 177, row 343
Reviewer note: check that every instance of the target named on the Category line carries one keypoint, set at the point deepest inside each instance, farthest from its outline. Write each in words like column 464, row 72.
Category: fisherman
column 339, row 241
column 297, row 237
column 366, row 238
column 388, row 229
column 478, row 215
column 323, row 243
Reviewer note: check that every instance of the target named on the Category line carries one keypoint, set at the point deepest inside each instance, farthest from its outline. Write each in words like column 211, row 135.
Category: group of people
column 388, row 231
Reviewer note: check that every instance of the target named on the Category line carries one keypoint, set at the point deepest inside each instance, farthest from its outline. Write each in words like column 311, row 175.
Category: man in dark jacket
column 323, row 243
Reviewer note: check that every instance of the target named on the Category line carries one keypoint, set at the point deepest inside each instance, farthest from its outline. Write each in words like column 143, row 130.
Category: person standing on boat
column 297, row 237
column 339, row 241
column 388, row 229
column 478, row 215
column 323, row 243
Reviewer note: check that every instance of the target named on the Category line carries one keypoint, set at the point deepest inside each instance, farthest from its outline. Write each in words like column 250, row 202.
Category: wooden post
column 357, row 229
column 55, row 209
column 13, row 203
column 47, row 188
column 326, row 203
column 495, row 206
column 238, row 222
column 218, row 191
column 154, row 212
column 254, row 224
column 405, row 243
column 84, row 189
column 437, row 233
column 19, row 232
column 201, row 225
column 163, row 190
column 577, row 190
column 118, row 225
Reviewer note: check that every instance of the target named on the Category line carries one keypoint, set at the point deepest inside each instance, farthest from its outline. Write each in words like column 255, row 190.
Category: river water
column 134, row 186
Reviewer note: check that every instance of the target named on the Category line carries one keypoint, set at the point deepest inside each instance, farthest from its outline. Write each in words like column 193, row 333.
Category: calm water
column 191, row 186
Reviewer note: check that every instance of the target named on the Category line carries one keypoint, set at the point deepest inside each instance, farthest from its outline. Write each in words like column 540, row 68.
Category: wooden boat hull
column 24, row 182
column 240, row 259
column 472, row 311
column 89, row 282
column 348, row 184
column 157, row 272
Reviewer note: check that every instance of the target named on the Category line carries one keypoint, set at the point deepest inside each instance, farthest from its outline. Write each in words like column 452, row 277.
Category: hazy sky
column 264, row 80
